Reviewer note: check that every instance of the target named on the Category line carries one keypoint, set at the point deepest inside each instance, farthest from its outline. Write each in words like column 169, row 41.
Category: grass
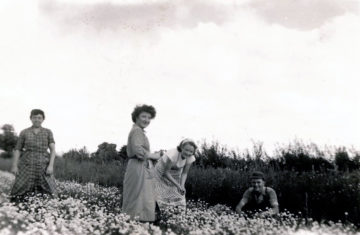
column 5, row 164
column 105, row 174
column 92, row 209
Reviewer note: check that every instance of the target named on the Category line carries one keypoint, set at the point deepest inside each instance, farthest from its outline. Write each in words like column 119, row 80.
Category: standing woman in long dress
column 138, row 195
column 170, row 175
column 34, row 172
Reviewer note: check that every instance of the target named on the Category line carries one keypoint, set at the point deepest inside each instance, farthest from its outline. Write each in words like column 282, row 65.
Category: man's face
column 258, row 184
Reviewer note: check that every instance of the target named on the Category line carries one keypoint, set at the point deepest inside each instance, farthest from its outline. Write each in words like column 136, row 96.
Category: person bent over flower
column 258, row 197
column 170, row 175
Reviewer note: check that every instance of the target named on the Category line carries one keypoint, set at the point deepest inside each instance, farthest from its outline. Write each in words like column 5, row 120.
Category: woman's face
column 143, row 120
column 37, row 120
column 187, row 150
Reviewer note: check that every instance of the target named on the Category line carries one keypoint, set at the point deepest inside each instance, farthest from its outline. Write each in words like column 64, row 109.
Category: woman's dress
column 166, row 193
column 33, row 162
column 138, row 196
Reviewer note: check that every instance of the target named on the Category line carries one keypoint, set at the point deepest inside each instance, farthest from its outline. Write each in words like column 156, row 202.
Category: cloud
column 302, row 14
column 135, row 17
column 223, row 73
column 150, row 16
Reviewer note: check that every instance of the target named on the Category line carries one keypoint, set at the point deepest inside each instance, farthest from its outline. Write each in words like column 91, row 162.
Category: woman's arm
column 137, row 144
column 167, row 174
column 14, row 168
column 185, row 174
column 50, row 168
column 153, row 157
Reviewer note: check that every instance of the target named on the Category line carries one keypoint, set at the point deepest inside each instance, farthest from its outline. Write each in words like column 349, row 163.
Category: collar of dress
column 136, row 126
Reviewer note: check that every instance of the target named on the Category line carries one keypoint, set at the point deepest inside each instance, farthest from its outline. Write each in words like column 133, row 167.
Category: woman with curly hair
column 34, row 173
column 138, row 195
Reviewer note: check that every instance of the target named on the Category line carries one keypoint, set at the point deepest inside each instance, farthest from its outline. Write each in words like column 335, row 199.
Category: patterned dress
column 166, row 193
column 33, row 162
column 138, row 195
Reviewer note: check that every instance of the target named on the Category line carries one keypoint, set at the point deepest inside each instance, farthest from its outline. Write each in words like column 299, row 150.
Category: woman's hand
column 49, row 170
column 14, row 170
column 181, row 189
column 150, row 164
column 153, row 156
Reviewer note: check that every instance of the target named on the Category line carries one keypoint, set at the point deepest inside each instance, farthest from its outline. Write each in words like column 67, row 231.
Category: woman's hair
column 143, row 108
column 35, row 112
column 186, row 141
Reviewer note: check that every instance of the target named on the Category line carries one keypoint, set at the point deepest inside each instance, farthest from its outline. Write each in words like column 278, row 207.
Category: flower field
column 92, row 209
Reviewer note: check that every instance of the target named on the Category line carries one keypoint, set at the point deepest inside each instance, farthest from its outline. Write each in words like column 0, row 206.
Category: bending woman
column 171, row 173
column 34, row 173
column 138, row 195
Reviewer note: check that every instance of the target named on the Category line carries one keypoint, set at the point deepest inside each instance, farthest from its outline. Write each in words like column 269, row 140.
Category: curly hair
column 143, row 108
column 35, row 112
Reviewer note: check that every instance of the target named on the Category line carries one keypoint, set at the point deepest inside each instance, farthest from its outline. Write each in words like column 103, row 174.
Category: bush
column 8, row 140
column 77, row 155
column 5, row 164
column 105, row 153
column 343, row 161
column 294, row 157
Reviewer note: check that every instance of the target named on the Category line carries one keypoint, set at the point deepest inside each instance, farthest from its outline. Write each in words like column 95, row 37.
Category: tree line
column 294, row 157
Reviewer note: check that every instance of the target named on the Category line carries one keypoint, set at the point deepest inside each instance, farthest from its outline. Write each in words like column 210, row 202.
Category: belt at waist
column 35, row 151
column 135, row 157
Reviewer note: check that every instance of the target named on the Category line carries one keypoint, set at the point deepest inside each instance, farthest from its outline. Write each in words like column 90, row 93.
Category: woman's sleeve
column 138, row 145
column 51, row 137
column 171, row 155
column 20, row 142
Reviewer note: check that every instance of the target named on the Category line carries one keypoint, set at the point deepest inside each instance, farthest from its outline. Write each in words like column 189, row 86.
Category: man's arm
column 242, row 202
column 274, row 201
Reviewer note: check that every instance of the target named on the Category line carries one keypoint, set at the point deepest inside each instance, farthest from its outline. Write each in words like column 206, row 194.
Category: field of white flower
column 91, row 209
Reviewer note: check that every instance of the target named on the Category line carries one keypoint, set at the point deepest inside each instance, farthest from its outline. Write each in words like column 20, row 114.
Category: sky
column 236, row 72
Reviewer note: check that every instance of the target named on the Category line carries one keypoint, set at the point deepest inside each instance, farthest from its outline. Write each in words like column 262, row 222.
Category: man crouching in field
column 258, row 197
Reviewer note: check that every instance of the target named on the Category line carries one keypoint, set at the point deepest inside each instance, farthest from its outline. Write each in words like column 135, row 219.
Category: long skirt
column 138, row 195
column 166, row 193
column 32, row 177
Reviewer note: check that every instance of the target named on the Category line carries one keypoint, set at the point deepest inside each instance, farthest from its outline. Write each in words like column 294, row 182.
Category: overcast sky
column 232, row 71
